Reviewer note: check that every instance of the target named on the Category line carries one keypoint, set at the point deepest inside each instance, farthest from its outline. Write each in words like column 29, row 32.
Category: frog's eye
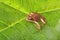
column 30, row 18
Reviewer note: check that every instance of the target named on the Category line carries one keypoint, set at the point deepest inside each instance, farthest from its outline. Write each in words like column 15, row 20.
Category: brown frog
column 35, row 17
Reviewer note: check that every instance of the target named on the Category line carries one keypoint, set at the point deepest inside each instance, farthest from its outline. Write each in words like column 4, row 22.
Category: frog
column 35, row 17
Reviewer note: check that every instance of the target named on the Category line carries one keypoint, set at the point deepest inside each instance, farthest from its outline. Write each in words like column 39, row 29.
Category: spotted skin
column 35, row 17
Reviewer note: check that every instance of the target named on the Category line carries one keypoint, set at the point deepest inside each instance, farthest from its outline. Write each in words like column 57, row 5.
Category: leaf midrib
column 24, row 11
column 11, row 25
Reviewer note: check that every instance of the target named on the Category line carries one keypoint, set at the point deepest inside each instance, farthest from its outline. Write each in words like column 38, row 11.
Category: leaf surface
column 13, row 24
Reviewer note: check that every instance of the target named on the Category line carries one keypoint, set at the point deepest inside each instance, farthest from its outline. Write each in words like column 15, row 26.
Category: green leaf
column 13, row 24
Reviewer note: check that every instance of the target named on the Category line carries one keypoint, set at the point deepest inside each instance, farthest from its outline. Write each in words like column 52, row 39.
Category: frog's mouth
column 28, row 20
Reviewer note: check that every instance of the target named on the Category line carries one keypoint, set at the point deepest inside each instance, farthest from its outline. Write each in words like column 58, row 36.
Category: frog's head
column 30, row 17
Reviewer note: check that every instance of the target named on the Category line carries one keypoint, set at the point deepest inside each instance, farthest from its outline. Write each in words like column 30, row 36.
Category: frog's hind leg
column 38, row 25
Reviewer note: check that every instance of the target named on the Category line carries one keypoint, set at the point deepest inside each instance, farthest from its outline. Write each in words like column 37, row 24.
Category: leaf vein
column 3, row 22
column 12, row 24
